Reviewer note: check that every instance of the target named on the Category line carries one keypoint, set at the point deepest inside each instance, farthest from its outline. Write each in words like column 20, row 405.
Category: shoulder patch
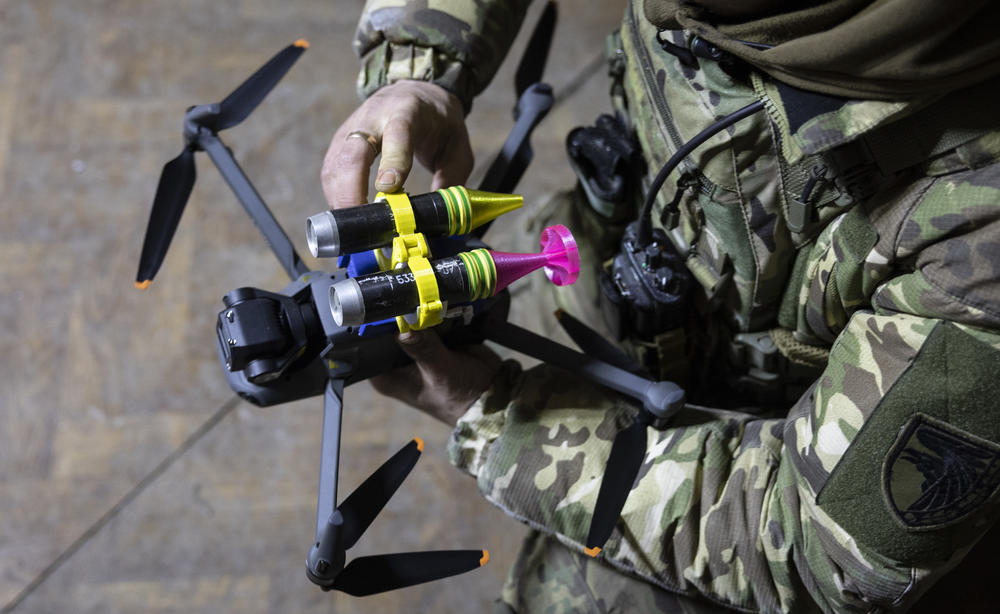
column 935, row 474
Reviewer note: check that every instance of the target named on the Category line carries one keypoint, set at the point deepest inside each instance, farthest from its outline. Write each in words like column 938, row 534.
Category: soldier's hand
column 404, row 120
column 441, row 382
column 401, row 121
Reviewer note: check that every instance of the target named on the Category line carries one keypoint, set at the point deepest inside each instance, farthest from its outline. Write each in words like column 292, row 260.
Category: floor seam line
column 224, row 410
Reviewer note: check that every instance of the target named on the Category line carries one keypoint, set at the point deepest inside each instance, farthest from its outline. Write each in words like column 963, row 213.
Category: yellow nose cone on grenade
column 446, row 212
column 468, row 209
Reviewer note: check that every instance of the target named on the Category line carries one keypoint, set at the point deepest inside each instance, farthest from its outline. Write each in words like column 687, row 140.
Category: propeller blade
column 592, row 343
column 368, row 575
column 367, row 500
column 244, row 99
column 532, row 64
column 513, row 158
column 172, row 194
column 627, row 452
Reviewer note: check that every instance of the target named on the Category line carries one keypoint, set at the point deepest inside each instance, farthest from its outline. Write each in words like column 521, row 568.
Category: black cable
column 757, row 46
column 645, row 234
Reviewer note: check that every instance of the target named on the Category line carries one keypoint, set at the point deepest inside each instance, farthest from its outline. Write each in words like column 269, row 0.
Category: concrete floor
column 131, row 477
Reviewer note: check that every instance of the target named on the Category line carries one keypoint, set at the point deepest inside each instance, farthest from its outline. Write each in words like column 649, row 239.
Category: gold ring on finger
column 367, row 136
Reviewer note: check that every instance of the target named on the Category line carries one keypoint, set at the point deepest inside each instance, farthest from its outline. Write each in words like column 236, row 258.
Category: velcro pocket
column 922, row 477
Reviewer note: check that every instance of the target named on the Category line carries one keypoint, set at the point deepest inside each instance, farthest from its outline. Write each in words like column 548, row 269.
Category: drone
column 325, row 331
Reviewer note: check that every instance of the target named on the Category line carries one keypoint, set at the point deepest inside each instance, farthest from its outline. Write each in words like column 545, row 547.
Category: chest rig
column 708, row 304
column 699, row 304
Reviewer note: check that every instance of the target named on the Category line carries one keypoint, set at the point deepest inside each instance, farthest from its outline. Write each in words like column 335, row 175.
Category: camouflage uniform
column 879, row 285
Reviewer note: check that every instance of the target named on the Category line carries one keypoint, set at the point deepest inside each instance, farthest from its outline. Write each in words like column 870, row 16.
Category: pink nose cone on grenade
column 559, row 256
column 465, row 277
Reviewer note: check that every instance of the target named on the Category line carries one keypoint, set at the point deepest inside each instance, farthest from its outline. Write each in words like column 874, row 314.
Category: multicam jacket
column 861, row 240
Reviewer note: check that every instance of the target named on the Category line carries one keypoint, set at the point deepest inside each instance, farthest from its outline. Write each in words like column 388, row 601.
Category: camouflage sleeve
column 457, row 44
column 878, row 481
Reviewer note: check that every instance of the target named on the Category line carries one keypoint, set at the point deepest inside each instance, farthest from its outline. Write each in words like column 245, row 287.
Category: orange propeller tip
column 559, row 313
column 485, row 559
column 302, row 43
column 420, row 444
column 142, row 285
column 592, row 552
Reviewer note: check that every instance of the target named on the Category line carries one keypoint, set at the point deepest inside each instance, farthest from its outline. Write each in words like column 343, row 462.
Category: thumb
column 424, row 347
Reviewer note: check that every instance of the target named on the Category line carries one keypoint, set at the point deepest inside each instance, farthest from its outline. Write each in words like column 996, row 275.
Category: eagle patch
column 935, row 474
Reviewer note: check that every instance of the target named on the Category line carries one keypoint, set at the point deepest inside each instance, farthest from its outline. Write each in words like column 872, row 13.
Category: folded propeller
column 338, row 532
column 629, row 447
column 605, row 364
column 178, row 175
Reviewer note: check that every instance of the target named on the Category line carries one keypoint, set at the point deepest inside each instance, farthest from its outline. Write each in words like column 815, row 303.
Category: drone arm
column 333, row 405
column 542, row 348
column 253, row 203
column 326, row 557
column 662, row 399
column 593, row 344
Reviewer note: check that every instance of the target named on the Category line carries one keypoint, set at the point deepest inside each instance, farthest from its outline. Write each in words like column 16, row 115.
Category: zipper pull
column 671, row 214
column 800, row 210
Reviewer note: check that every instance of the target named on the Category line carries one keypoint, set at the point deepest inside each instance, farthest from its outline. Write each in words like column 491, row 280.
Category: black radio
column 645, row 291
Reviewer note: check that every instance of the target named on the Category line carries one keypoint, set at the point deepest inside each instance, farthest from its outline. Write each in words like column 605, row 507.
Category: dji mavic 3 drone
column 317, row 335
